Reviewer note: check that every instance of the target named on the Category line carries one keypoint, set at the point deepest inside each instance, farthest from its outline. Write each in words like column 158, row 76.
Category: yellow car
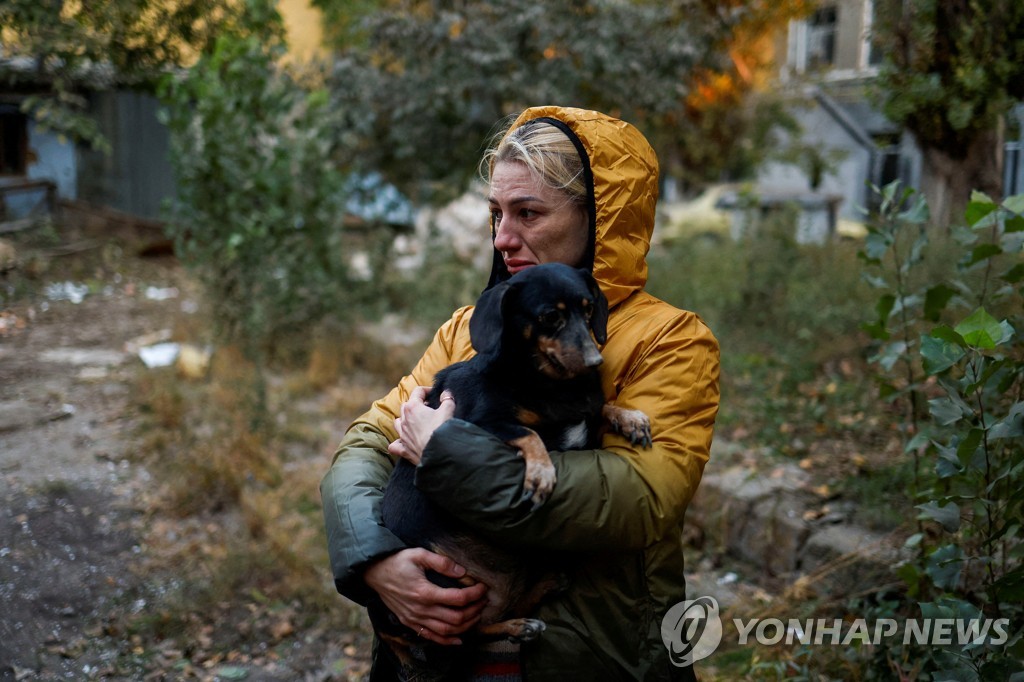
column 699, row 217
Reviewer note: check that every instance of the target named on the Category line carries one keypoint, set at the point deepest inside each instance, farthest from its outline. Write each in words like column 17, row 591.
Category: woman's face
column 534, row 223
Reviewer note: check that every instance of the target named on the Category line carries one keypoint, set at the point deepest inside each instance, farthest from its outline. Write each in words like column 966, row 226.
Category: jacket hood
column 622, row 177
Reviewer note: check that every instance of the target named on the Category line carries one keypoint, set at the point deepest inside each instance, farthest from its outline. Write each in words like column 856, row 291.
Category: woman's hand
column 418, row 423
column 439, row 614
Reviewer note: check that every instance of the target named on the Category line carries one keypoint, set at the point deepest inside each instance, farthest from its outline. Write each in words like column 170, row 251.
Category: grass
column 237, row 458
column 795, row 375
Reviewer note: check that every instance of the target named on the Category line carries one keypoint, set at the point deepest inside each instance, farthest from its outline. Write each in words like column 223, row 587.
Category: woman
column 576, row 187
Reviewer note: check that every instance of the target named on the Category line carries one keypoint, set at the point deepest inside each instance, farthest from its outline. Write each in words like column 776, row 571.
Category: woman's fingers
column 443, row 613
column 418, row 421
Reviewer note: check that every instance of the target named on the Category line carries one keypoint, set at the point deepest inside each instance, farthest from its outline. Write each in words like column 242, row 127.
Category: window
column 821, row 38
column 874, row 54
column 889, row 165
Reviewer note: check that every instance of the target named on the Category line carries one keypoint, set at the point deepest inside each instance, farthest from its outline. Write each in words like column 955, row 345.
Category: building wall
column 820, row 129
column 136, row 177
column 303, row 24
column 52, row 158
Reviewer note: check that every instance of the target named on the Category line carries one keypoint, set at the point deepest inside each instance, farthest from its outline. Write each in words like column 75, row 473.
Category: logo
column 691, row 630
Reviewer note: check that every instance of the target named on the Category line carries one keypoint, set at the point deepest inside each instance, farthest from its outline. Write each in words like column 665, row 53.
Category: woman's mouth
column 515, row 265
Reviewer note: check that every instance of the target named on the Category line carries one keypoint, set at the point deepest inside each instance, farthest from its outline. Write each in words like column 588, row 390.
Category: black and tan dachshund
column 534, row 384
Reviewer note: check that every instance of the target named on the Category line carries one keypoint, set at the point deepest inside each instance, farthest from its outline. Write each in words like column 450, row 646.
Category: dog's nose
column 592, row 356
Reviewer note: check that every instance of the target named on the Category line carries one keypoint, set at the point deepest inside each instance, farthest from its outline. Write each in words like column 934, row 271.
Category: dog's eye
column 551, row 318
column 588, row 309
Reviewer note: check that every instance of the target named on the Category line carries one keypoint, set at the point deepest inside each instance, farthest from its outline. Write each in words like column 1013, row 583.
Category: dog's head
column 547, row 312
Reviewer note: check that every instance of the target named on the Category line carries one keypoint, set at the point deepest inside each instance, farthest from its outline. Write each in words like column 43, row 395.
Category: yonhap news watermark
column 693, row 630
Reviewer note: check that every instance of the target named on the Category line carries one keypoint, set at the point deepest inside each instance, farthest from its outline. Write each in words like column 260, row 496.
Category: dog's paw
column 634, row 425
column 526, row 629
column 539, row 482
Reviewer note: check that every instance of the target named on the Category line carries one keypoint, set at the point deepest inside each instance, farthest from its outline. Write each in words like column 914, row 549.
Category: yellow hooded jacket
column 619, row 508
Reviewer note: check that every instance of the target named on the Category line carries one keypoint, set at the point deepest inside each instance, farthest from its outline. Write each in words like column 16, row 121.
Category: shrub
column 951, row 351
column 258, row 216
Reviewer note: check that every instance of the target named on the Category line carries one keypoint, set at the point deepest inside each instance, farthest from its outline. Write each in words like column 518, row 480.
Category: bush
column 258, row 217
column 951, row 351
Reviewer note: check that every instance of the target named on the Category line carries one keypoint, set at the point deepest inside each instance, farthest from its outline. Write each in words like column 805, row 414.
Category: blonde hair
column 547, row 151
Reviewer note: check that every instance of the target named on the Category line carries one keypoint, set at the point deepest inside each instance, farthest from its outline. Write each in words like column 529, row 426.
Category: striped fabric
column 497, row 662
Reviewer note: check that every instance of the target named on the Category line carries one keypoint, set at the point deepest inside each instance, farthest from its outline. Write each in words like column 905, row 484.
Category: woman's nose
column 505, row 237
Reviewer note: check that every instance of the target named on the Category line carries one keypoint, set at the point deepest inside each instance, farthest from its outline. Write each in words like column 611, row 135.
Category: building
column 135, row 177
column 829, row 62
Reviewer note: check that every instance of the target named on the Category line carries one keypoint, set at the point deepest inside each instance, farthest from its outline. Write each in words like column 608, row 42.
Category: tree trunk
column 947, row 181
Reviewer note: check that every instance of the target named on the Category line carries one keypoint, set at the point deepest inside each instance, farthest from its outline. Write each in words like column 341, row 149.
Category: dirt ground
column 77, row 559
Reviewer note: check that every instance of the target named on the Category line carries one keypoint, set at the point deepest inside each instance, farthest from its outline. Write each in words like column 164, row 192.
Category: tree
column 423, row 82
column 60, row 50
column 952, row 69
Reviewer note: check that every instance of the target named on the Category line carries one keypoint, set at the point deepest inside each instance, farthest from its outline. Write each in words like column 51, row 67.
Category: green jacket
column 619, row 508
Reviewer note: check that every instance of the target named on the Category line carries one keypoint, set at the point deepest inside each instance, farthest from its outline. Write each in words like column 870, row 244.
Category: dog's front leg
column 633, row 424
column 540, row 476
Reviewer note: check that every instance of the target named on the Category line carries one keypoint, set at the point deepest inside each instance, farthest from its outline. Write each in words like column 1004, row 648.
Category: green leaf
column 948, row 335
column 1014, row 224
column 1014, row 204
column 917, row 214
column 947, row 515
column 875, row 331
column 969, row 445
column 884, row 307
column 935, row 300
column 917, row 249
column 980, row 253
column 947, row 465
column 939, row 354
column 913, row 541
column 920, row 440
column 945, row 411
column 981, row 330
column 944, row 566
column 874, row 281
column 876, row 245
column 890, row 354
column 964, row 236
column 911, row 575
column 1011, row 426
column 1014, row 274
column 1010, row 587
column 979, row 206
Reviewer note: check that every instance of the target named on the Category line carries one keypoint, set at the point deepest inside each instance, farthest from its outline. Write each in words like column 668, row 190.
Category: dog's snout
column 592, row 356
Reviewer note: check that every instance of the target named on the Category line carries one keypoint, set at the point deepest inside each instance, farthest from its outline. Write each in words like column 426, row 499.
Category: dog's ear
column 599, row 317
column 487, row 325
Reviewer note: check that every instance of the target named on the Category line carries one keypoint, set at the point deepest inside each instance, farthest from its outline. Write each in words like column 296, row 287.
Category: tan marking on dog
column 549, row 347
column 527, row 417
